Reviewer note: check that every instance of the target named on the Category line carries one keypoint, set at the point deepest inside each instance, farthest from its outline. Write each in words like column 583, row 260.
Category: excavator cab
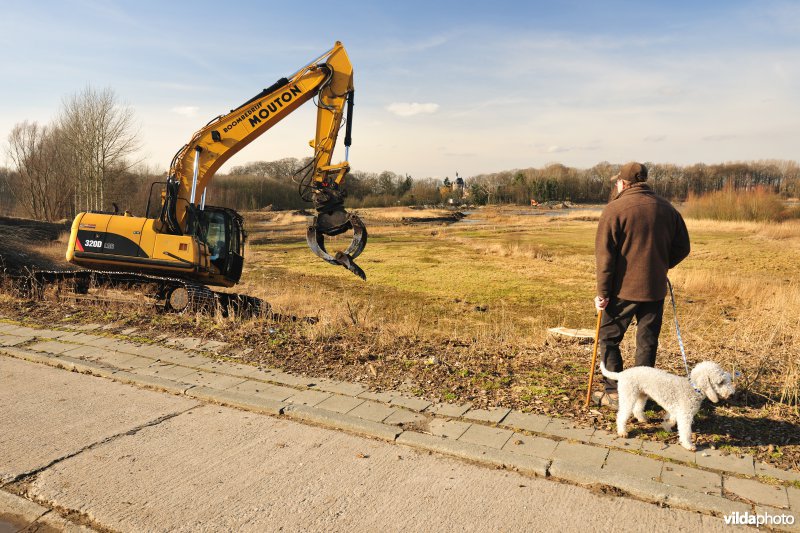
column 222, row 231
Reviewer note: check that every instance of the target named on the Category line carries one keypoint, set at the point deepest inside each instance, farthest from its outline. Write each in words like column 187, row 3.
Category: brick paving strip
column 705, row 481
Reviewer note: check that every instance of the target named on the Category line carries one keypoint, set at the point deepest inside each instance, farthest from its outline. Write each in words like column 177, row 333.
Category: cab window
column 215, row 236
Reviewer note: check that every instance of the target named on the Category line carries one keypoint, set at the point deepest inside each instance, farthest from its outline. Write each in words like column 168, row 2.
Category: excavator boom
column 329, row 79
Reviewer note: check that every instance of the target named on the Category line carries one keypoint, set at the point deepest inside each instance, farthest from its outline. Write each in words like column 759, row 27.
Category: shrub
column 758, row 204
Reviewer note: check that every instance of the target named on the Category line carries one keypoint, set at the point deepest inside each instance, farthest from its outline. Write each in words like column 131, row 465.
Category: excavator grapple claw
column 316, row 241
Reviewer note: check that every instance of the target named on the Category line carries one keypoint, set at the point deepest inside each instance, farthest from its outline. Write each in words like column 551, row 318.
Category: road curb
column 339, row 421
column 60, row 361
column 473, row 452
column 83, row 366
column 152, row 382
column 577, row 473
column 27, row 355
column 645, row 489
column 237, row 400
column 704, row 503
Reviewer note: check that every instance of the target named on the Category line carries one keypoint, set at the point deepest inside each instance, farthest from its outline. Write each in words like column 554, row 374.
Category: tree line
column 260, row 184
column 85, row 159
column 557, row 182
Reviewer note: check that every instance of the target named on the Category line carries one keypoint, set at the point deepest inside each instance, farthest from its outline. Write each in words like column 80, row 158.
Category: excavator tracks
column 166, row 293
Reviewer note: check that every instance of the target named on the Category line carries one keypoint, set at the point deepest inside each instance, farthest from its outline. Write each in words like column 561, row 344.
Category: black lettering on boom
column 272, row 107
column 241, row 118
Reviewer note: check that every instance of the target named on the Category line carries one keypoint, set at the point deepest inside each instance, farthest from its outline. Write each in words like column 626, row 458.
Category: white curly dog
column 680, row 397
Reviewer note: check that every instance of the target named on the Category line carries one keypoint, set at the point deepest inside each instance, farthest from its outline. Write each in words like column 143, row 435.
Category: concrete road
column 129, row 459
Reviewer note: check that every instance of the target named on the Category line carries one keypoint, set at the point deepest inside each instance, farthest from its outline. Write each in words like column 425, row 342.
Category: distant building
column 460, row 187
column 454, row 191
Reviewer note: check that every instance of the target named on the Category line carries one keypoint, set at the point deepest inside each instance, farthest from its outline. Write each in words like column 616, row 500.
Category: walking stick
column 594, row 358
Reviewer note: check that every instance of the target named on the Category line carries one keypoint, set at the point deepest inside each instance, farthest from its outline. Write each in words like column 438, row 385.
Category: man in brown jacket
column 640, row 236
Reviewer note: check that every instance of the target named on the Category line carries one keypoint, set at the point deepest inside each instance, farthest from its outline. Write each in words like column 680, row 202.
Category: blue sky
column 442, row 86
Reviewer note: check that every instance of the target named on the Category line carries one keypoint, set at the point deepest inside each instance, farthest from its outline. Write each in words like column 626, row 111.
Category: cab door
column 235, row 250
column 221, row 231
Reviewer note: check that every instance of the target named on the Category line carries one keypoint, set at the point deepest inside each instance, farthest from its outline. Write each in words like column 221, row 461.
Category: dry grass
column 396, row 214
column 585, row 215
column 502, row 281
column 55, row 250
column 750, row 323
column 513, row 250
column 273, row 219
column 25, row 247
column 788, row 231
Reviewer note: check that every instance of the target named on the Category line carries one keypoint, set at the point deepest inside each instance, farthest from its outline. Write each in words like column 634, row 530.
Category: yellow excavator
column 188, row 244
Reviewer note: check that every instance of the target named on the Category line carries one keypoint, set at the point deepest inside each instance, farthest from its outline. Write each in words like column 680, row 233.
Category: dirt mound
column 25, row 245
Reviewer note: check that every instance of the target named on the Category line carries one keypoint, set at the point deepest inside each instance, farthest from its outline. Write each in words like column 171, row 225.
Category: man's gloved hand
column 600, row 303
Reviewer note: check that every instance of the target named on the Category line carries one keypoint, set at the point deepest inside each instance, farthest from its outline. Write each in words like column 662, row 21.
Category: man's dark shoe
column 606, row 399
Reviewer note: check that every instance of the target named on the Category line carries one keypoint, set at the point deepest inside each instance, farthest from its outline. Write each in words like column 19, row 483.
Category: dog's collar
column 696, row 390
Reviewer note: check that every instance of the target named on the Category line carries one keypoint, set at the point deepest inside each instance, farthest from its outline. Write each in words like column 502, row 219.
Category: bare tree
column 7, row 201
column 39, row 189
column 98, row 137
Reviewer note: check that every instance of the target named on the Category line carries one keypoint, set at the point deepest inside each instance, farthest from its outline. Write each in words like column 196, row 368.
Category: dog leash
column 736, row 374
column 678, row 329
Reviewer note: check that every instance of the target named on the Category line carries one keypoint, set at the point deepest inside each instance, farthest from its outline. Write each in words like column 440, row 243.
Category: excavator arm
column 329, row 79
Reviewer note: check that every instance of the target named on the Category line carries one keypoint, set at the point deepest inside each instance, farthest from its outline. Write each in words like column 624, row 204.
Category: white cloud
column 557, row 149
column 186, row 111
column 409, row 109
